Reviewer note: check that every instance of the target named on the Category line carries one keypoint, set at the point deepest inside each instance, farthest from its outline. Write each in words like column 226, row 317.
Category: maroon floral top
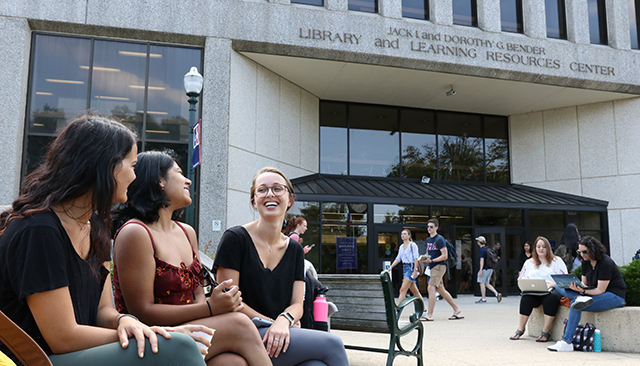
column 173, row 285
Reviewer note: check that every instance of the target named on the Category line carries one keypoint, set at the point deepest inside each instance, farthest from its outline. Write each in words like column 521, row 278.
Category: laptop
column 533, row 286
column 563, row 280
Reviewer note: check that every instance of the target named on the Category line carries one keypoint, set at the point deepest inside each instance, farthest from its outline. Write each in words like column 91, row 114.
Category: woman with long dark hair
column 157, row 268
column 54, row 248
column 603, row 288
column 567, row 247
column 268, row 267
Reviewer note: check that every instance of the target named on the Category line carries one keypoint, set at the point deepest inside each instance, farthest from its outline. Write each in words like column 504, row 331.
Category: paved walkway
column 481, row 338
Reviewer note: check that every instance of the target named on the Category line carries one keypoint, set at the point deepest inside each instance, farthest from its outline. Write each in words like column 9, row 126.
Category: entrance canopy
column 321, row 187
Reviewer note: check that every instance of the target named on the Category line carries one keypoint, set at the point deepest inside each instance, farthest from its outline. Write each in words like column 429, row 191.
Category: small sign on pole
column 195, row 158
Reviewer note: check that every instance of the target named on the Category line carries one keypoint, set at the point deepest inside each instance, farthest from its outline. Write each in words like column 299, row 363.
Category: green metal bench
column 393, row 312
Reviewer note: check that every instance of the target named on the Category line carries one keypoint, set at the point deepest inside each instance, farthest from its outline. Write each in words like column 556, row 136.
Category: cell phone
column 311, row 246
column 216, row 284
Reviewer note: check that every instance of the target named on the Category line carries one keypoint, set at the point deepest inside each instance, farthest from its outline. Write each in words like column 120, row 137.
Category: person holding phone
column 604, row 288
column 157, row 270
column 296, row 227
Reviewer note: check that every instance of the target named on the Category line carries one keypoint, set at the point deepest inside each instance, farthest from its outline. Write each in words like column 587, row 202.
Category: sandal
column 517, row 336
column 544, row 337
column 425, row 319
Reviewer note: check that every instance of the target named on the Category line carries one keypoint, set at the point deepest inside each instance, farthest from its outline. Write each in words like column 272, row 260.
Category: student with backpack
column 485, row 270
column 437, row 258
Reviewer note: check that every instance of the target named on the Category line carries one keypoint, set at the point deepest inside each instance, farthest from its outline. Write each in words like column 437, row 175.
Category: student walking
column 484, row 272
column 438, row 254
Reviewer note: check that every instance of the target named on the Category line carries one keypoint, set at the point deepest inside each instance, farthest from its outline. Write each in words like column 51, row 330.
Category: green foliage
column 578, row 271
column 631, row 275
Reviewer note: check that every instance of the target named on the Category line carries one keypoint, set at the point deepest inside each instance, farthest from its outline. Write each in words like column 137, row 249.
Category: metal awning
column 358, row 189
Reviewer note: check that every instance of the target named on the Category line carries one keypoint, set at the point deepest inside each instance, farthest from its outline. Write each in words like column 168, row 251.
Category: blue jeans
column 601, row 302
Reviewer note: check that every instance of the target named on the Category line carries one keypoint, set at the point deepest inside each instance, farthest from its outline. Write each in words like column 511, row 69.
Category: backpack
column 583, row 337
column 492, row 258
column 452, row 255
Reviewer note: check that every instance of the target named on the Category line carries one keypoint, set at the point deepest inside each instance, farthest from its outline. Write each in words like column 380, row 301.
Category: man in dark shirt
column 436, row 259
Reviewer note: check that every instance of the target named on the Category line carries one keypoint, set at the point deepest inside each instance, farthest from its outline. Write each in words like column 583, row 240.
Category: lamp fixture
column 451, row 91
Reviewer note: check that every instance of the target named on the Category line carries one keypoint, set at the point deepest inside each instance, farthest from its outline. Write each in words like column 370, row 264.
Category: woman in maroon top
column 157, row 270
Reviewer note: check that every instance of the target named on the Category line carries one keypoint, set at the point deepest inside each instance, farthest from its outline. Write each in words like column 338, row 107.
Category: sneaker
column 440, row 297
column 582, row 302
column 481, row 301
column 499, row 296
column 561, row 346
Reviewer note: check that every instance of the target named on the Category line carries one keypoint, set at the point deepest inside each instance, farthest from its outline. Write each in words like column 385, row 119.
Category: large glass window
column 598, row 21
column 369, row 6
column 496, row 149
column 400, row 214
column 333, row 143
column 511, row 15
column 465, row 12
column 418, row 144
column 141, row 84
column 417, row 9
column 556, row 19
column 460, row 147
column 634, row 15
column 497, row 217
column 404, row 143
column 373, row 140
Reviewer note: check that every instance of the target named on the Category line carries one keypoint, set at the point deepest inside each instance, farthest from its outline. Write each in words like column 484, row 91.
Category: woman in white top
column 542, row 264
column 408, row 256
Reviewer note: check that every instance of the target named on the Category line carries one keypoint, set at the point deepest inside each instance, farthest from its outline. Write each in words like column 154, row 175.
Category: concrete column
column 534, row 19
column 489, row 15
column 15, row 43
column 577, row 21
column 214, row 171
column 441, row 12
column 338, row 5
column 618, row 24
column 390, row 8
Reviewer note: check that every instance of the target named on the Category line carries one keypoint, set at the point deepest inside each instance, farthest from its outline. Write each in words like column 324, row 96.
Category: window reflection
column 465, row 12
column 369, row 6
column 546, row 219
column 511, row 15
column 497, row 217
column 401, row 214
column 452, row 215
column 460, row 147
column 64, row 67
column 59, row 83
column 417, row 9
column 634, row 15
column 556, row 19
column 373, row 140
column 309, row 2
column 497, row 150
column 333, row 138
column 331, row 256
column 334, row 212
column 418, row 144
column 597, row 21
column 118, row 81
column 309, row 210
column 167, row 107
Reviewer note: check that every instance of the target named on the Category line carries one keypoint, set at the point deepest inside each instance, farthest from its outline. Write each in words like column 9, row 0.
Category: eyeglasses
column 582, row 251
column 277, row 190
column 431, row 226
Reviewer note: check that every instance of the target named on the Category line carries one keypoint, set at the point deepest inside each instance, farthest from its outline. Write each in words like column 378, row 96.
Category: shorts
column 486, row 276
column 407, row 271
column 437, row 272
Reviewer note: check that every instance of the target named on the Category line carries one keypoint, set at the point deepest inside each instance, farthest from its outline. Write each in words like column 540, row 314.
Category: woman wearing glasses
column 604, row 288
column 268, row 268
column 157, row 269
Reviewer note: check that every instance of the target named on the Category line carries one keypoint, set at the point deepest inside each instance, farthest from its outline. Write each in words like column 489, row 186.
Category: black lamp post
column 193, row 86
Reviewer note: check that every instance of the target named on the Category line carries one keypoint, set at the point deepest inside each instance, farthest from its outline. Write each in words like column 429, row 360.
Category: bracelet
column 209, row 305
column 122, row 316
